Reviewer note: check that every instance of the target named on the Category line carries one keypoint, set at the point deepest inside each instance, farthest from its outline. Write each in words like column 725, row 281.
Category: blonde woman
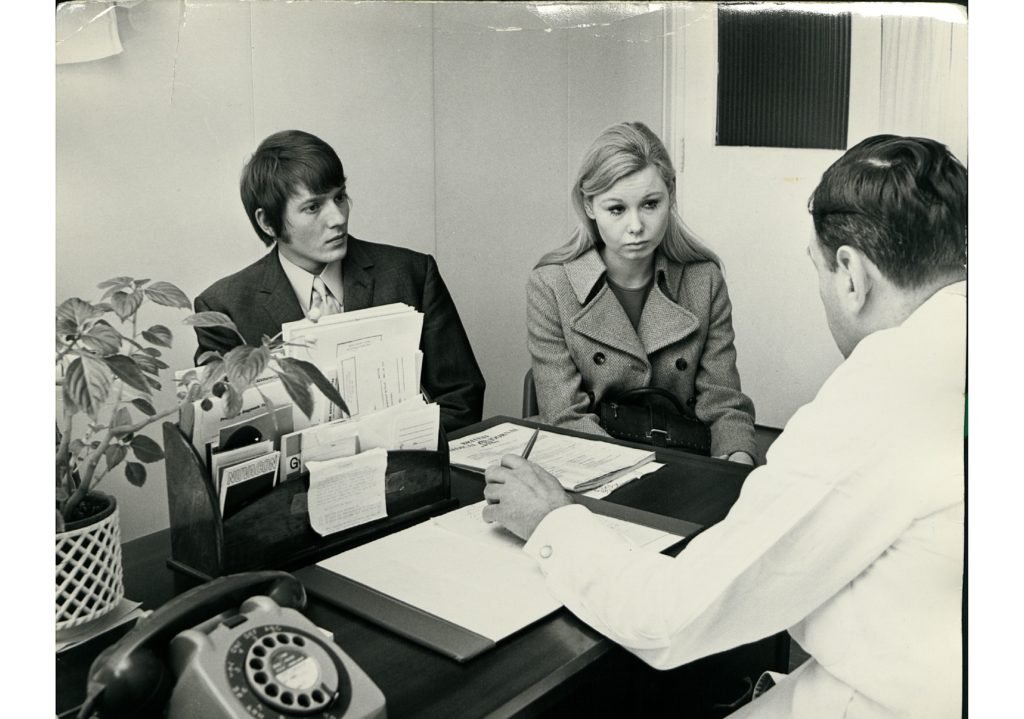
column 634, row 299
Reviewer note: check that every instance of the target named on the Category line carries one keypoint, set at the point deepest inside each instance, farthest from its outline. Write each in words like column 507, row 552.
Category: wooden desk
column 554, row 667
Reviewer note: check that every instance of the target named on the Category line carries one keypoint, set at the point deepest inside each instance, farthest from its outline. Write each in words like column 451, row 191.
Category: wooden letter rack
column 273, row 532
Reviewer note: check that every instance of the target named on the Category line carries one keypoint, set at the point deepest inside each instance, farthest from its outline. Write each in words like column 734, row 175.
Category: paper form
column 479, row 451
column 396, row 328
column 321, row 442
column 413, row 424
column 602, row 491
column 347, row 492
column 376, row 377
column 461, row 569
column 578, row 464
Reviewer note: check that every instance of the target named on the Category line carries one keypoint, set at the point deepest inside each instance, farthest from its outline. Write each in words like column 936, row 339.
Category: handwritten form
column 466, row 571
column 347, row 492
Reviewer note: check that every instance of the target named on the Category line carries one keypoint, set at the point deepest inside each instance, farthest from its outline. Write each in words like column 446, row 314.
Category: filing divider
column 273, row 532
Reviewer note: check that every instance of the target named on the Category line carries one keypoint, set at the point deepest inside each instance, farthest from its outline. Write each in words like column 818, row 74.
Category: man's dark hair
column 282, row 164
column 902, row 201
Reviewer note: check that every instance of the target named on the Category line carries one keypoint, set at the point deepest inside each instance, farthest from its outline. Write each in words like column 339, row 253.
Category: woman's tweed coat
column 583, row 346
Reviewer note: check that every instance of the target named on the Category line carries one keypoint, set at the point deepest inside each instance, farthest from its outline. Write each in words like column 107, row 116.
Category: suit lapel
column 275, row 296
column 357, row 277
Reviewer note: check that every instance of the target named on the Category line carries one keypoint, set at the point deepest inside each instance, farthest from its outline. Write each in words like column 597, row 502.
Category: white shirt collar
column 302, row 281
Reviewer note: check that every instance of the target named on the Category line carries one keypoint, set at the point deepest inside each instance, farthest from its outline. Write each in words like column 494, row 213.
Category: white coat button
column 545, row 551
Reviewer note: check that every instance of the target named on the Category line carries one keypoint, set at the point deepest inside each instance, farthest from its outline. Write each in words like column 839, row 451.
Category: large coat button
column 599, row 358
column 681, row 364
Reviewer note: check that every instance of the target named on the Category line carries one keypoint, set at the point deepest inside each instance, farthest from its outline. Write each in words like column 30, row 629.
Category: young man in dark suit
column 293, row 190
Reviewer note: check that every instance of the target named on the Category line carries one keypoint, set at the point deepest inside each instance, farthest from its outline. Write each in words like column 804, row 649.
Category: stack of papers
column 466, row 571
column 372, row 355
column 578, row 464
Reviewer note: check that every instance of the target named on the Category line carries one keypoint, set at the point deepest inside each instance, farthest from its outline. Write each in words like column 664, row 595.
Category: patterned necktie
column 322, row 302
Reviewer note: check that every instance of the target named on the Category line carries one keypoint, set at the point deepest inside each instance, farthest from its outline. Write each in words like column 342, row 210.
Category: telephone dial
column 236, row 646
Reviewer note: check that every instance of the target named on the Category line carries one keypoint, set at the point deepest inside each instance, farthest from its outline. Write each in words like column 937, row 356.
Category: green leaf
column 316, row 377
column 143, row 406
column 126, row 303
column 75, row 446
column 152, row 351
column 152, row 383
column 114, row 455
column 140, row 283
column 69, row 402
column 232, row 401
column 87, row 383
column 122, row 417
column 146, row 363
column 209, row 319
column 102, row 339
column 164, row 293
column 73, row 313
column 212, row 374
column 115, row 282
column 158, row 335
column 297, row 385
column 135, row 473
column 244, row 364
column 125, row 369
column 195, row 391
column 146, row 450
column 209, row 356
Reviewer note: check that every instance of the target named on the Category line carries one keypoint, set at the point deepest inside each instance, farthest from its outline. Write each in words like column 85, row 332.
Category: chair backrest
column 764, row 436
column 530, row 408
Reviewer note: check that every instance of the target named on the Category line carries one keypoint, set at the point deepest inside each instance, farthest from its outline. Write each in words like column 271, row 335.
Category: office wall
column 750, row 203
column 518, row 97
column 459, row 126
column 150, row 144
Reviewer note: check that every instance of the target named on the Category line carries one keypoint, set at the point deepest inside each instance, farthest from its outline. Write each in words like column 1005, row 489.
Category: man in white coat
column 851, row 536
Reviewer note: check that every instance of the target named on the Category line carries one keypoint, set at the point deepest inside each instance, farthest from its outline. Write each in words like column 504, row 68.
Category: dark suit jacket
column 259, row 299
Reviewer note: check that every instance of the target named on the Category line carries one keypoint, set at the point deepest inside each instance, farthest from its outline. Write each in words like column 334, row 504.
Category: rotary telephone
column 234, row 647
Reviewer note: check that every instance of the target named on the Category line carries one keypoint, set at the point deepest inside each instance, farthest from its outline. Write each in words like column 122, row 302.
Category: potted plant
column 108, row 368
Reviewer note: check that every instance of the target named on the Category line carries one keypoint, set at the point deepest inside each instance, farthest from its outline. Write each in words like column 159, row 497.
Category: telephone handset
column 233, row 647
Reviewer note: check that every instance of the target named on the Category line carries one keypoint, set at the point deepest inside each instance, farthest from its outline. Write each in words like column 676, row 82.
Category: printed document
column 466, row 571
column 413, row 424
column 578, row 464
column 390, row 330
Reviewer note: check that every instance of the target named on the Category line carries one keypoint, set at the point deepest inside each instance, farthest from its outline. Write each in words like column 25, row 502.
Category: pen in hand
column 529, row 445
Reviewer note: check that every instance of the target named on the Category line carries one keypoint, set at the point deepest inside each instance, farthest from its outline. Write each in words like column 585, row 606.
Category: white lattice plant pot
column 89, row 573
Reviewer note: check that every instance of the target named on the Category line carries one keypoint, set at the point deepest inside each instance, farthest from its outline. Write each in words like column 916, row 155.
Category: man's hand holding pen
column 520, row 494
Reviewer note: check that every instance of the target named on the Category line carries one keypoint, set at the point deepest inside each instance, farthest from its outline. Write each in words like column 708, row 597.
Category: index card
column 347, row 491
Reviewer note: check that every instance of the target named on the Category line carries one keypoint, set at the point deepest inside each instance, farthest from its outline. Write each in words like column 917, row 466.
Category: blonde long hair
column 619, row 151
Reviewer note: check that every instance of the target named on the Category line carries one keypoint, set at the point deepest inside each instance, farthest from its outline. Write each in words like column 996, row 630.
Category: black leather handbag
column 653, row 416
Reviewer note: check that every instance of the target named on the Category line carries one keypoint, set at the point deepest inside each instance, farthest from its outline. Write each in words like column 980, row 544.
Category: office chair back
column 530, row 408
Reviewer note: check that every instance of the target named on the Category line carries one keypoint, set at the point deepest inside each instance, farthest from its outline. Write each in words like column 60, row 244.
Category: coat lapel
column 275, row 297
column 664, row 320
column 602, row 319
column 356, row 277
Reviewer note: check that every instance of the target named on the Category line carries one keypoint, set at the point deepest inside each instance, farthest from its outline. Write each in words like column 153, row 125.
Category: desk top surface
column 516, row 677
